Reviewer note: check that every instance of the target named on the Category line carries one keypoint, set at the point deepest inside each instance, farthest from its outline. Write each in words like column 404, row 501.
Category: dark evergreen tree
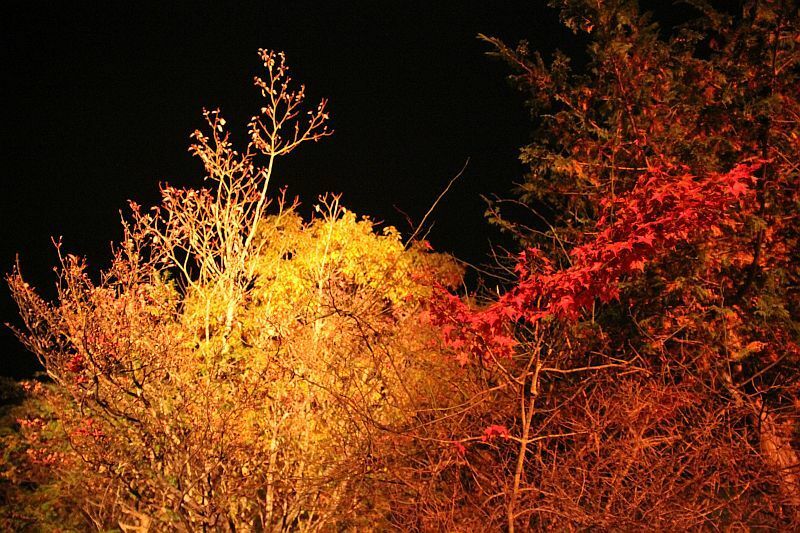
column 652, row 337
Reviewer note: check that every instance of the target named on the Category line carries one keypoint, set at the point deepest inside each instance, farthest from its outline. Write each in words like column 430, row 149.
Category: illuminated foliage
column 239, row 367
column 648, row 351
column 236, row 366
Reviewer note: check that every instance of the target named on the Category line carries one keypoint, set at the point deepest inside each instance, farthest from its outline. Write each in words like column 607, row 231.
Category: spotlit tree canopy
column 652, row 330
column 635, row 365
column 230, row 368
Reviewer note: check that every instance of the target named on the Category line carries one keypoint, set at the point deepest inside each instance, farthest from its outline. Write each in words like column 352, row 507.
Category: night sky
column 99, row 99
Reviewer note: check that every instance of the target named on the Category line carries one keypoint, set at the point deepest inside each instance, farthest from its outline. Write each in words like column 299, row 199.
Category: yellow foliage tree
column 236, row 367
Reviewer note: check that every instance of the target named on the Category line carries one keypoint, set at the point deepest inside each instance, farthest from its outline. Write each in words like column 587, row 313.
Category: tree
column 236, row 366
column 648, row 350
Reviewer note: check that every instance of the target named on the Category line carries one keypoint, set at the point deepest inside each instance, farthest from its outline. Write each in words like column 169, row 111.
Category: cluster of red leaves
column 76, row 364
column 494, row 431
column 668, row 206
column 87, row 428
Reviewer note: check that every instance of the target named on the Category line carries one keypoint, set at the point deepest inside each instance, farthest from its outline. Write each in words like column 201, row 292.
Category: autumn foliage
column 660, row 213
column 643, row 364
column 235, row 366
column 635, row 366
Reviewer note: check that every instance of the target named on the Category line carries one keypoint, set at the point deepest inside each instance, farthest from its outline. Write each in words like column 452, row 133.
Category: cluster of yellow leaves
column 340, row 248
